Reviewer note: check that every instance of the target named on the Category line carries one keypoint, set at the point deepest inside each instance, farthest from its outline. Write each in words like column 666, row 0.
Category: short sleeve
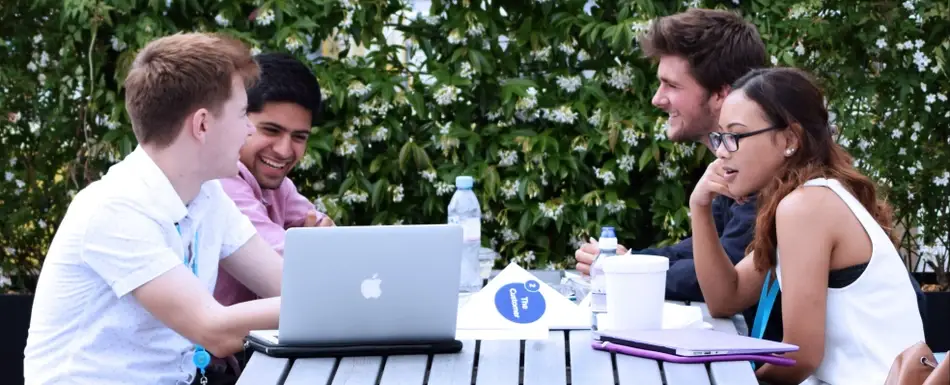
column 126, row 247
column 238, row 228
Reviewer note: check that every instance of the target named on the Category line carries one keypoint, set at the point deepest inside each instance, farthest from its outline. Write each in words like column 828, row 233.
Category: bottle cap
column 464, row 182
column 607, row 232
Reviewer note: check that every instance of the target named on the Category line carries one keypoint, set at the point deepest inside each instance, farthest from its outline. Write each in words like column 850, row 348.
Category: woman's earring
column 789, row 151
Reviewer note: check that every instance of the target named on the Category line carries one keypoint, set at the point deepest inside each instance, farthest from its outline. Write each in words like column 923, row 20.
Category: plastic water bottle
column 598, row 280
column 465, row 211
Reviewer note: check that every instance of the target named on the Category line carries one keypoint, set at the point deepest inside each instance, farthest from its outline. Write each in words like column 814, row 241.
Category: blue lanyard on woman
column 766, row 302
column 201, row 358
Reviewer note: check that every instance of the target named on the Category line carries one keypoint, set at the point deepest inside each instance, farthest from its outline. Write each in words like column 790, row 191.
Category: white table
column 565, row 358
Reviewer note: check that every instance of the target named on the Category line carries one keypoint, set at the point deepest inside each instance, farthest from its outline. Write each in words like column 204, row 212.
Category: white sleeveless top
column 871, row 321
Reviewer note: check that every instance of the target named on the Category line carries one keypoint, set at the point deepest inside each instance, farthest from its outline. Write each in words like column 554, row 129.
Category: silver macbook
column 370, row 284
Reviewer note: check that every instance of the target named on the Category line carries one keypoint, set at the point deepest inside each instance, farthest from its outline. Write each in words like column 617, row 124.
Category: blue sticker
column 520, row 302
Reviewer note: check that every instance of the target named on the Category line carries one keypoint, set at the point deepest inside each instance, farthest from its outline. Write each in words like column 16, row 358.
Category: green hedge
column 545, row 103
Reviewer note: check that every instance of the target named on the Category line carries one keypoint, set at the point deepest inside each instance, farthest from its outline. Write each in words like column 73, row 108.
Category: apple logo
column 370, row 287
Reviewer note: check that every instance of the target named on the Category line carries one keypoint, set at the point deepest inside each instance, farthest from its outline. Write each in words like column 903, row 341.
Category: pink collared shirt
column 271, row 212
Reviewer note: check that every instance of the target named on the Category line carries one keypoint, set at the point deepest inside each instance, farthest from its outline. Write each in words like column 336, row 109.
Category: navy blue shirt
column 734, row 224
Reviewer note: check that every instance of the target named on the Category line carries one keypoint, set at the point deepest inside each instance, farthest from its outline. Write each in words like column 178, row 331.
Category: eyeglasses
column 731, row 140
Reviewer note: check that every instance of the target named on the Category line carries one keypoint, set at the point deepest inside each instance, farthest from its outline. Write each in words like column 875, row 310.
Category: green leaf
column 525, row 223
column 406, row 150
column 645, row 158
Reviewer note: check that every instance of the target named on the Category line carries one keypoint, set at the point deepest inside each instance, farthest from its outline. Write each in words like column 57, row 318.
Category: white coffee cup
column 636, row 290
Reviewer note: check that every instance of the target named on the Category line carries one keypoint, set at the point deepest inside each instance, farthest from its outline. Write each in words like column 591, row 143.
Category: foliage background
column 545, row 102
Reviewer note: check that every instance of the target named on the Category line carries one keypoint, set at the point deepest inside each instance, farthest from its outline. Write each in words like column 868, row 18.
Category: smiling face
column 759, row 156
column 692, row 109
column 278, row 143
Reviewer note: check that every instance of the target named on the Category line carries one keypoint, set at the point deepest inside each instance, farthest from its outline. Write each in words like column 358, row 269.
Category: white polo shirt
column 118, row 234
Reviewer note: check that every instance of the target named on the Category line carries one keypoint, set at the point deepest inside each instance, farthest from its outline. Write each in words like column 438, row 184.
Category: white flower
column 567, row 48
column 582, row 55
column 630, row 136
column 358, row 89
column 347, row 147
column 307, row 161
column 569, row 83
column 8, row 176
column 351, row 197
column 428, row 175
column 255, row 51
column 397, row 193
column 616, row 206
column 319, row 185
column 528, row 256
column 799, row 49
column 380, row 134
column 562, row 114
column 445, row 95
column 508, row 235
column 508, row 158
column 620, row 77
column 442, row 188
column 292, row 43
column 943, row 180
column 773, row 60
column 466, row 70
column 529, row 102
column 921, row 60
column 510, row 188
column 118, row 45
column 475, row 30
column 221, row 20
column 456, row 38
column 607, row 176
column 266, row 17
column 668, row 170
column 594, row 120
column 627, row 162
column 542, row 54
column 551, row 210
column 881, row 43
column 896, row 134
column 347, row 20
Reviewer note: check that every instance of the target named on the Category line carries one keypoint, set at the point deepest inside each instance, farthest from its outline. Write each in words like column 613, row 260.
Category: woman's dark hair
column 791, row 98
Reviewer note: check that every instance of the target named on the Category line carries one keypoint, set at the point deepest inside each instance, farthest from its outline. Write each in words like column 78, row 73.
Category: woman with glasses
column 822, row 237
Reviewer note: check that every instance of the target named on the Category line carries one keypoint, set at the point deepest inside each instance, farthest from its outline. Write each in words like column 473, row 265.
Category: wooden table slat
column 306, row 371
column 728, row 373
column 405, row 370
column 453, row 369
column 498, row 362
column 263, row 370
column 589, row 366
column 638, row 371
column 685, row 374
column 545, row 361
column 357, row 371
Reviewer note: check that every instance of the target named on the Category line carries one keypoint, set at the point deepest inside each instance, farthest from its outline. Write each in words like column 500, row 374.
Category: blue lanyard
column 201, row 358
column 193, row 251
column 766, row 301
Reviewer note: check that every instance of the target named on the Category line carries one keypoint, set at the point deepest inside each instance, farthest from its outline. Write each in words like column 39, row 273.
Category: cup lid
column 636, row 263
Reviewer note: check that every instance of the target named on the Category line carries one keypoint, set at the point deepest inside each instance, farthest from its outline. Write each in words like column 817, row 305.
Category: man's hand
column 312, row 220
column 586, row 254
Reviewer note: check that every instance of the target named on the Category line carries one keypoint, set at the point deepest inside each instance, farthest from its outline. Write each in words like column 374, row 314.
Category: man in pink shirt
column 282, row 106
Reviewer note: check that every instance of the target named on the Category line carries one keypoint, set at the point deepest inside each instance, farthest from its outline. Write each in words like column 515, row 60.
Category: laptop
column 354, row 285
column 694, row 342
